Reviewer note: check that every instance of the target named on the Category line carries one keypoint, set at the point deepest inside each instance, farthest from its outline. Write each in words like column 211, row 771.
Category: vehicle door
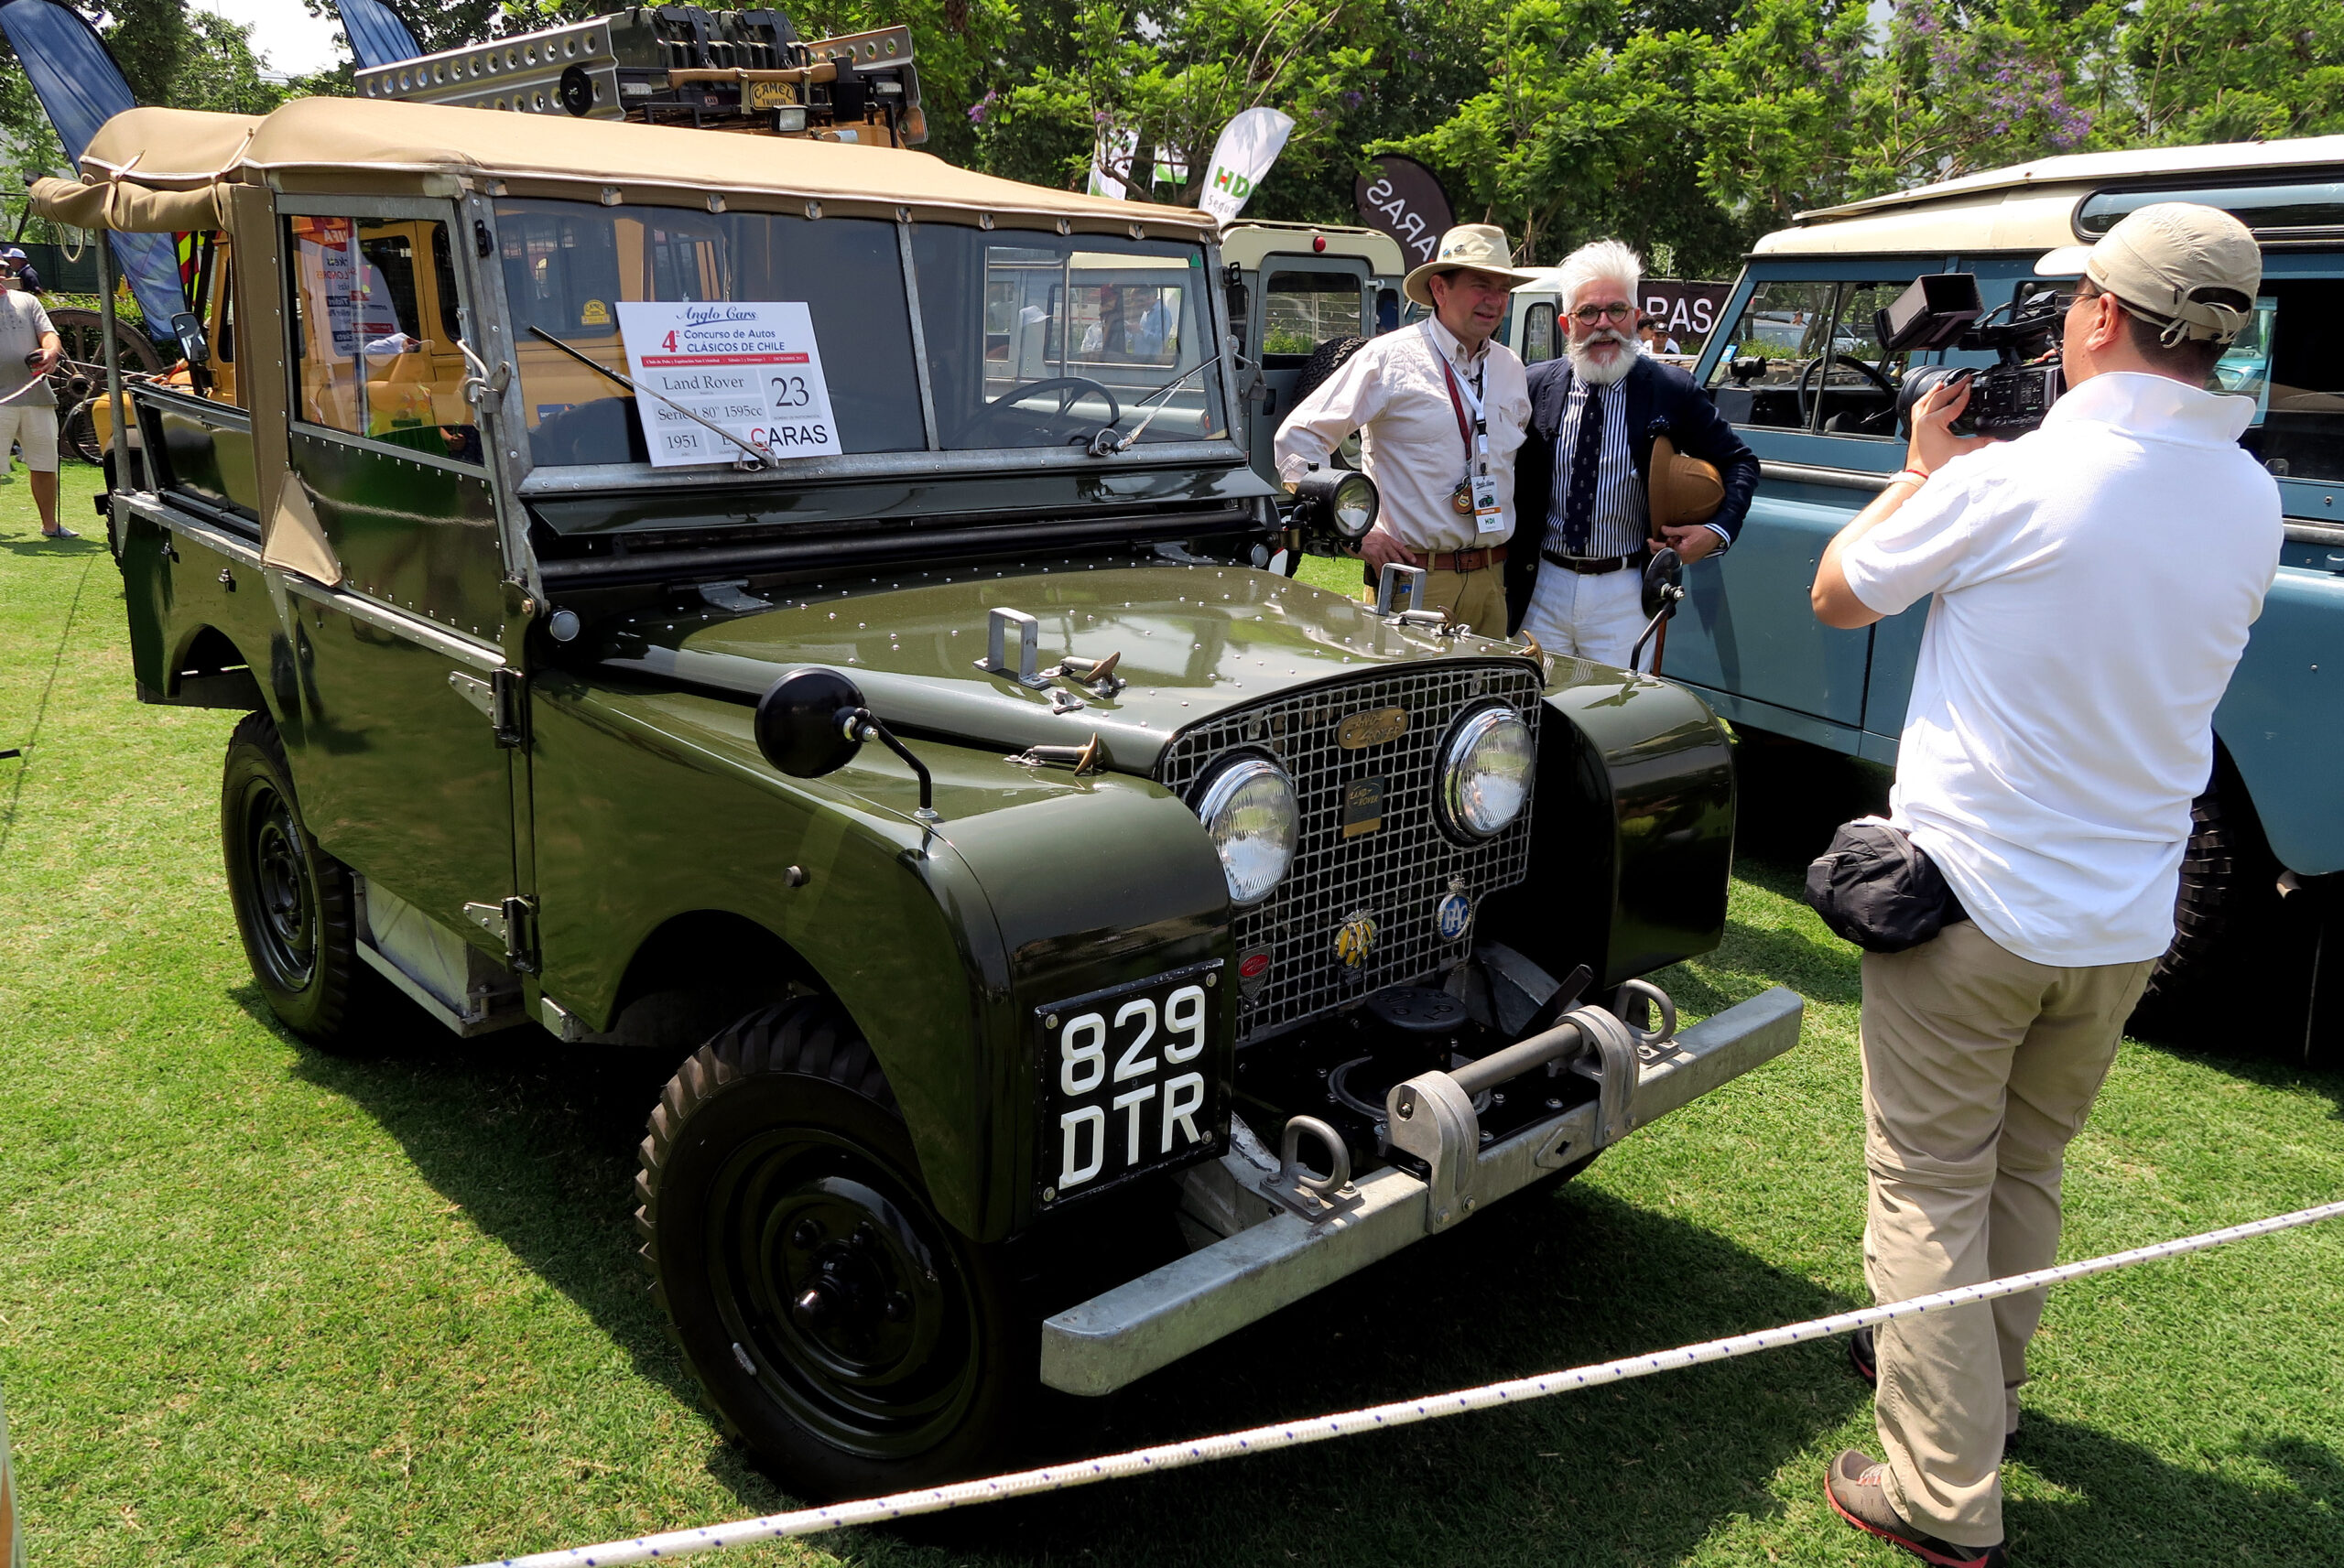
column 1303, row 302
column 399, row 675
column 2283, row 717
column 1799, row 373
column 194, row 422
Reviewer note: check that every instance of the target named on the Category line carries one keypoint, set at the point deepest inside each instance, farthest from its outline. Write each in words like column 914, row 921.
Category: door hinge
column 514, row 922
column 502, row 699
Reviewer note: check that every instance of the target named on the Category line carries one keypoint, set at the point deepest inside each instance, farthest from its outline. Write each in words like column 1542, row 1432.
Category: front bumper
column 1278, row 1257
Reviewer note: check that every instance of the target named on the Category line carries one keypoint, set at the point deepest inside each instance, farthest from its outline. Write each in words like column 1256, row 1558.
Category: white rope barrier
column 1403, row 1412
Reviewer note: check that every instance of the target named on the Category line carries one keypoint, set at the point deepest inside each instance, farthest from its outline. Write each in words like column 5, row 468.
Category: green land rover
column 806, row 610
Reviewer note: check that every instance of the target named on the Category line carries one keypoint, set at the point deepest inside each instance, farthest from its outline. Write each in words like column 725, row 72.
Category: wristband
column 1918, row 476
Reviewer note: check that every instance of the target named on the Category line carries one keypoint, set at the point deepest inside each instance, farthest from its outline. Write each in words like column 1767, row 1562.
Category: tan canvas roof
column 311, row 142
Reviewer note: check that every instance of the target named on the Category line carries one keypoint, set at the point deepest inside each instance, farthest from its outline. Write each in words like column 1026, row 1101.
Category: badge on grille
column 1363, row 806
column 1253, row 971
column 1371, row 727
column 1356, row 940
column 1455, row 916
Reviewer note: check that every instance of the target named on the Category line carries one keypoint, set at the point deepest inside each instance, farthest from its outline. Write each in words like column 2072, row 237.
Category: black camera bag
column 1875, row 888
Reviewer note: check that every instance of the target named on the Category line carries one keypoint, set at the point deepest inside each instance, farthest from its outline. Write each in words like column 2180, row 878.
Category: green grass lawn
column 265, row 1306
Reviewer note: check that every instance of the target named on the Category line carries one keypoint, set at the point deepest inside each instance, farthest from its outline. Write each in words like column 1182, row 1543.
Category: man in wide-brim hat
column 1441, row 409
column 1625, row 455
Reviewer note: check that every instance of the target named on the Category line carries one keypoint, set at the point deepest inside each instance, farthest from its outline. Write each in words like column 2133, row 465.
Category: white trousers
column 1596, row 617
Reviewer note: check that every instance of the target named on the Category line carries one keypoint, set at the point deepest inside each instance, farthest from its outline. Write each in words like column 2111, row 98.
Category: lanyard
column 1476, row 440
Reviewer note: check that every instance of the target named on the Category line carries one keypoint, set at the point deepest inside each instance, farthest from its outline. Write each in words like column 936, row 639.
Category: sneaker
column 1861, row 1356
column 62, row 532
column 1853, row 1486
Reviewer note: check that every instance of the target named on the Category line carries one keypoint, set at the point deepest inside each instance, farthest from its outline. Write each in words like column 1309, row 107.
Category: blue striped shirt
column 1618, row 525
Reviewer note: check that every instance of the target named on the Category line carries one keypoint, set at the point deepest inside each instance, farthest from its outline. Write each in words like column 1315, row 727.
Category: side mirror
column 803, row 723
column 188, row 328
column 1663, row 583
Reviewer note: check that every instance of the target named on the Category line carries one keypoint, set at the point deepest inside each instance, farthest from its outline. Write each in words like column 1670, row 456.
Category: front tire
column 852, row 1338
column 295, row 907
column 2228, row 924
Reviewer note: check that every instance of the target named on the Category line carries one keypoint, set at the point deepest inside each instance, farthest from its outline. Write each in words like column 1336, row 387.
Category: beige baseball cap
column 2160, row 259
column 1481, row 247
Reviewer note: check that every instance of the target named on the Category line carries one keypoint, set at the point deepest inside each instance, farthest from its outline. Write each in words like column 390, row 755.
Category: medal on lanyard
column 1476, row 494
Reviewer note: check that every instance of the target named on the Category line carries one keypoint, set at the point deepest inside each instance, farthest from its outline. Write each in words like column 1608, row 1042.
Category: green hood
column 1195, row 640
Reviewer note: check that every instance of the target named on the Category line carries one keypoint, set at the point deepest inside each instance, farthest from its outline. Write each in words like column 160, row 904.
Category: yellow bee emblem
column 1356, row 940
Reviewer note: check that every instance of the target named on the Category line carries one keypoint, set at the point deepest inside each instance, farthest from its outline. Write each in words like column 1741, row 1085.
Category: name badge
column 1487, row 518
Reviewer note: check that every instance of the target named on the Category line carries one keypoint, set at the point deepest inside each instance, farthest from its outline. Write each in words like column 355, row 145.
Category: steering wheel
column 1068, row 387
column 1870, row 372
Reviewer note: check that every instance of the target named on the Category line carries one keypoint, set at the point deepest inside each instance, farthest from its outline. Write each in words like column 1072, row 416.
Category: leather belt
column 1465, row 560
column 1591, row 566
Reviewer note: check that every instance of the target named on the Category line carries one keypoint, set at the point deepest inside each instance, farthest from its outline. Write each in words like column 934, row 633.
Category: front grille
column 1395, row 876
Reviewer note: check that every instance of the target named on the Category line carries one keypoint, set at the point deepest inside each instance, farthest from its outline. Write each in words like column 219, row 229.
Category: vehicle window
column 1804, row 356
column 1855, row 394
column 2301, row 205
column 373, row 340
column 1038, row 340
column 1301, row 311
column 2291, row 360
column 1537, row 334
column 569, row 266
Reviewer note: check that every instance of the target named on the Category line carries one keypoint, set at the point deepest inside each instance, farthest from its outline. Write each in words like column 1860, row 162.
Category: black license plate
column 1129, row 1081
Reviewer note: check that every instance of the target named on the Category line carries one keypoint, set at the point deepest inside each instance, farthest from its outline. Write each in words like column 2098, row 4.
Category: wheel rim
column 841, row 1294
column 280, row 900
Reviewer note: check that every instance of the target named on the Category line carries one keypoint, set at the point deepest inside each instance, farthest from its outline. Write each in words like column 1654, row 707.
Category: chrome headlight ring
column 1487, row 760
column 1250, row 812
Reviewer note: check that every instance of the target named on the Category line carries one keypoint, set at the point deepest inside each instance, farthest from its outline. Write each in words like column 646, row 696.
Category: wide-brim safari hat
column 1474, row 247
column 1683, row 490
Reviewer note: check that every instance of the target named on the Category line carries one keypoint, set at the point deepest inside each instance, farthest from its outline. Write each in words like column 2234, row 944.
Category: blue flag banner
column 377, row 35
column 81, row 88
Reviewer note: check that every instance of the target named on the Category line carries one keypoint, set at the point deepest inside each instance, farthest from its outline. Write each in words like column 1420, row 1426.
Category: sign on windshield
column 752, row 369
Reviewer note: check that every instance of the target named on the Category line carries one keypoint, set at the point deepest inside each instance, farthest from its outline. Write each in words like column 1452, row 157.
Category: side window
column 561, row 272
column 2291, row 360
column 374, row 336
column 1539, row 333
column 1803, row 356
column 1301, row 311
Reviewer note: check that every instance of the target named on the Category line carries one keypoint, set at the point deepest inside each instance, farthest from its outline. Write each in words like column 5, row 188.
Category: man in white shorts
column 28, row 348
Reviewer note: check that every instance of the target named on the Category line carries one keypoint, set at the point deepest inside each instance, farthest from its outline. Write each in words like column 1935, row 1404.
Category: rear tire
column 842, row 1329
column 2229, row 925
column 295, row 908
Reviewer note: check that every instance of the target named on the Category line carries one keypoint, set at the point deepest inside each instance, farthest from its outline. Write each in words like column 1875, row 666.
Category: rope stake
column 1403, row 1413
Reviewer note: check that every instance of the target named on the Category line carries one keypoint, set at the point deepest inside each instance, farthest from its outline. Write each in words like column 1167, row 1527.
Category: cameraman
column 2094, row 583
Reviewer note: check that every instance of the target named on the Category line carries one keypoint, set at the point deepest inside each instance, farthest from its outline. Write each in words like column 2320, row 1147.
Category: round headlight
column 1249, row 812
column 1343, row 503
column 1485, row 766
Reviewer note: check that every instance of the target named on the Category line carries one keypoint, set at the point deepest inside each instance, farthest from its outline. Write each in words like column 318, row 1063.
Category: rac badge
column 1455, row 916
column 1356, row 940
column 1371, row 727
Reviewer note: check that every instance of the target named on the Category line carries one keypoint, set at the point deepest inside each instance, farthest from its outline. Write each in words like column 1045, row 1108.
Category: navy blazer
column 1662, row 400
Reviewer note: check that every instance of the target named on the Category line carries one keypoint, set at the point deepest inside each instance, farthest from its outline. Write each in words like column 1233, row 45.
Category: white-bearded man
column 1587, row 464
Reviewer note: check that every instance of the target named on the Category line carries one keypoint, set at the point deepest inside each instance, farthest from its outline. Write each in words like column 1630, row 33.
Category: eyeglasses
column 1588, row 315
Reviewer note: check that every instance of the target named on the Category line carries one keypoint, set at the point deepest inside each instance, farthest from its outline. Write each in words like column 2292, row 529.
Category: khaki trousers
column 1475, row 600
column 1979, row 1066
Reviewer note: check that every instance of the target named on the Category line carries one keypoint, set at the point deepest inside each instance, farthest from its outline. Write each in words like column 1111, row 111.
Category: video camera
column 2006, row 398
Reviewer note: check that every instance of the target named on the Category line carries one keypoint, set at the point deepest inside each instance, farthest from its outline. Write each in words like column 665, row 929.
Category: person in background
column 1441, row 409
column 30, row 349
column 15, row 256
column 1587, row 464
column 2091, row 583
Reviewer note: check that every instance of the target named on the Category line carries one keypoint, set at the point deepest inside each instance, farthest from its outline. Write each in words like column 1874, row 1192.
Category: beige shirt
column 1393, row 393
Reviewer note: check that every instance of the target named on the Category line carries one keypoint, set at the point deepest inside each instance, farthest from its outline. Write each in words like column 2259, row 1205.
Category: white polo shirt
column 2094, row 583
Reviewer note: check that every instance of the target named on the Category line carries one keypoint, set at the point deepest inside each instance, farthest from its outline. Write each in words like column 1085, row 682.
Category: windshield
column 570, row 268
column 1038, row 340
column 793, row 334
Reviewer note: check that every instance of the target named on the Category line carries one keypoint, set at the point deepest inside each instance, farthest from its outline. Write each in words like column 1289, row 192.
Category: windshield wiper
column 755, row 458
column 1106, row 443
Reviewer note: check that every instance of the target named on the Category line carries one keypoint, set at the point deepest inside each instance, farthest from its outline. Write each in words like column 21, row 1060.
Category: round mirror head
column 798, row 722
column 1663, row 572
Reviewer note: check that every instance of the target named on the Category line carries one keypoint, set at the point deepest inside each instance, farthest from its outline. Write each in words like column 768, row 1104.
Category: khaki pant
column 1475, row 600
column 1979, row 1066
